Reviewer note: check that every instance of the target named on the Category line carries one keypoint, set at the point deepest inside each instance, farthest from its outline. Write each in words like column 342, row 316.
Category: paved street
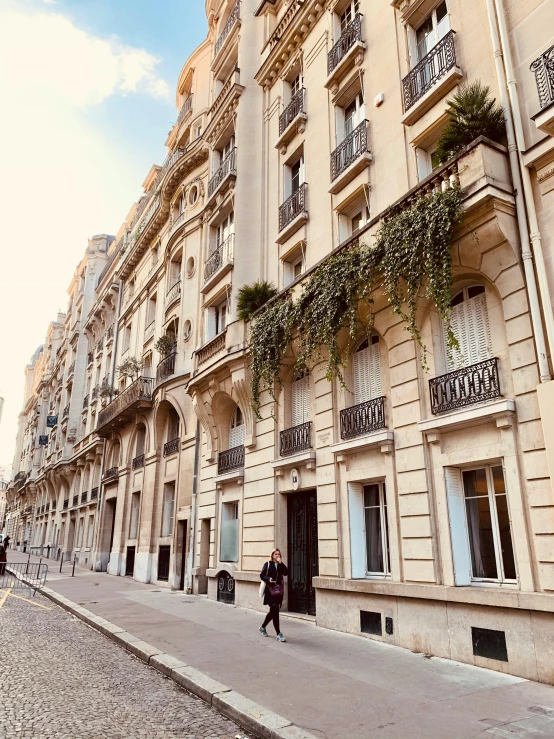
column 60, row 678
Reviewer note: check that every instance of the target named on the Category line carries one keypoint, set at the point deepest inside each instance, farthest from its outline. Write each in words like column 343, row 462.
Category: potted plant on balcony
column 472, row 112
column 166, row 344
column 130, row 368
column 252, row 297
column 106, row 391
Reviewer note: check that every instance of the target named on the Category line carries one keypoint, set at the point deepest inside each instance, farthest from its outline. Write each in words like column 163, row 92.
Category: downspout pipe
column 192, row 537
column 534, row 231
column 526, row 254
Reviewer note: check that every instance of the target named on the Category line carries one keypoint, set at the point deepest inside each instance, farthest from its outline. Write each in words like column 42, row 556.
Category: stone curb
column 228, row 702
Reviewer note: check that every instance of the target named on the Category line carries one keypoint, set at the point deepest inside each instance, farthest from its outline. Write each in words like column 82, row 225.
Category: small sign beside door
column 294, row 479
column 43, row 440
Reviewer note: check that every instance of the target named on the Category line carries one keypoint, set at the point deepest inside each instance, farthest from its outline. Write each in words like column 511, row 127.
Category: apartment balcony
column 186, row 108
column 65, row 413
column 430, row 80
column 465, row 387
column 94, row 394
column 211, row 349
column 110, row 334
column 219, row 263
column 149, row 331
column 66, row 504
column 75, row 330
column 224, row 175
column 94, row 494
column 292, row 120
column 123, row 408
column 85, row 402
column 75, row 501
column 344, row 52
column 166, row 368
column 171, row 447
column 90, row 358
column 100, row 345
column 173, row 295
column 295, row 440
column 71, row 371
column 292, row 214
column 349, row 158
column 226, row 37
column 230, row 460
column 84, row 497
column 111, row 474
column 138, row 462
column 543, row 68
column 363, row 418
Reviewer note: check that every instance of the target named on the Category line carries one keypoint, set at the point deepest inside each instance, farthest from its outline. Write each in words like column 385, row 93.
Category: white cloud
column 62, row 179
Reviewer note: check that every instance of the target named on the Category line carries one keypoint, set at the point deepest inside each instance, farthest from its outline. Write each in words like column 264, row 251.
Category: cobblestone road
column 59, row 678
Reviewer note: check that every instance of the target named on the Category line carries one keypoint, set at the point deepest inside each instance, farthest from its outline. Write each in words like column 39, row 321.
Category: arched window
column 115, row 454
column 236, row 432
column 172, row 424
column 367, row 370
column 470, row 324
column 301, row 401
column 140, row 441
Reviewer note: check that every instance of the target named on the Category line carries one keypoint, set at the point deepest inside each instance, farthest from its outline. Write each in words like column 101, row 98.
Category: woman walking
column 273, row 574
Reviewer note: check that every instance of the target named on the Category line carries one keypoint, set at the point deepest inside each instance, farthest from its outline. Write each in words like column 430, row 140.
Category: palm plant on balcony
column 253, row 297
column 472, row 112
column 166, row 344
column 130, row 368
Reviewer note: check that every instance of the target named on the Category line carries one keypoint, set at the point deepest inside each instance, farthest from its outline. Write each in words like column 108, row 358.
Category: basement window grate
column 489, row 643
column 370, row 623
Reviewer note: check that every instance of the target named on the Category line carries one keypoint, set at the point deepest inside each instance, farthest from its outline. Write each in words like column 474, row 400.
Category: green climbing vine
column 410, row 260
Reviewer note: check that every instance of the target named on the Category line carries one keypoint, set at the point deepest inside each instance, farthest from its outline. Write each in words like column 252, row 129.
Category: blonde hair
column 272, row 553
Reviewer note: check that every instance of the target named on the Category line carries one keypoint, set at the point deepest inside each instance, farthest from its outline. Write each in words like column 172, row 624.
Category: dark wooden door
column 164, row 553
column 183, row 525
column 130, row 562
column 225, row 588
column 303, row 561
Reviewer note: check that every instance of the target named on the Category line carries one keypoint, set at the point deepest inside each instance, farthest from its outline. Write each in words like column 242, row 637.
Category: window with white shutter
column 470, row 324
column 367, row 371
column 236, row 432
column 357, row 529
column 301, row 401
column 458, row 526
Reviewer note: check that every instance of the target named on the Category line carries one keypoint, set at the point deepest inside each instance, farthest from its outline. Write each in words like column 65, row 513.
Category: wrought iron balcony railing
column 149, row 330
column 90, row 357
column 141, row 389
column 170, row 447
column 353, row 146
column 112, row 472
column 166, row 368
column 110, row 333
column 65, row 413
column 94, row 494
column 362, row 418
column 230, row 459
column 71, row 369
column 465, row 386
column 220, row 256
column 85, row 402
column 227, row 167
column 186, row 107
column 66, row 504
column 234, row 16
column 296, row 439
column 173, row 294
column 351, row 34
column 84, row 497
column 75, row 500
column 543, row 68
column 429, row 70
column 293, row 109
column 292, row 207
column 138, row 462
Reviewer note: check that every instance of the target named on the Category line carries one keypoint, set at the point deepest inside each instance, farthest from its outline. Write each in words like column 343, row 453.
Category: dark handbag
column 276, row 590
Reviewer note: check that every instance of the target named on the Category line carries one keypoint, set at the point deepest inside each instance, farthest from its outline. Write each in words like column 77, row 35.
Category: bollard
column 27, row 567
column 61, row 562
column 74, row 560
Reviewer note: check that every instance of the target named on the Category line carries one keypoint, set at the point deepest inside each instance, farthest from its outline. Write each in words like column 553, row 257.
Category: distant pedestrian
column 6, row 541
column 273, row 574
column 3, row 558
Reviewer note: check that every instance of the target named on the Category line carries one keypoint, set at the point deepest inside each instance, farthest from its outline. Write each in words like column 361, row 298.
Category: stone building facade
column 412, row 506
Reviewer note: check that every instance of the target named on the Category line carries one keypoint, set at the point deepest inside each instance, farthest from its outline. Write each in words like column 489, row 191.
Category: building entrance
column 303, row 561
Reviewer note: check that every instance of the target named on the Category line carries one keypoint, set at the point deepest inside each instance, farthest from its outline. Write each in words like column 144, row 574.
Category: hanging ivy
column 410, row 260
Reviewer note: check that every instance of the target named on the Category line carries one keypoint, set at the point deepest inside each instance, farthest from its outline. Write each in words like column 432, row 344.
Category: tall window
column 90, row 531
column 172, row 424
column 229, row 540
column 367, row 371
column 470, row 324
column 225, row 229
column 141, row 441
column 236, row 431
column 151, row 310
column 294, row 175
column 348, row 14
column 369, row 530
column 301, row 401
column 216, row 319
column 349, row 117
column 480, row 525
column 135, row 508
column 168, row 509
column 295, row 85
column 432, row 30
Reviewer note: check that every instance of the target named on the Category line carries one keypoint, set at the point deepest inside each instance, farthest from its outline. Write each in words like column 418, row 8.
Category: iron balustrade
column 429, row 70
column 292, row 207
column 53, row 505
column 234, row 16
column 90, row 357
column 71, row 369
column 85, row 402
column 112, row 472
column 465, row 386
column 220, row 256
column 66, row 504
column 543, row 68
column 296, row 439
column 65, row 413
column 170, row 447
column 138, row 462
column 100, row 344
column 362, row 418
column 94, row 494
column 353, row 146
column 293, row 109
column 230, row 459
column 185, row 109
column 351, row 34
column 84, row 497
column 149, row 330
column 141, row 389
column 173, row 293
column 175, row 157
column 75, row 501
column 227, row 167
column 110, row 333
column 166, row 368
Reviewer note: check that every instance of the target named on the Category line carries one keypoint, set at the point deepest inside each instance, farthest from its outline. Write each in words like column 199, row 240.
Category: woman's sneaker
column 263, row 632
column 280, row 637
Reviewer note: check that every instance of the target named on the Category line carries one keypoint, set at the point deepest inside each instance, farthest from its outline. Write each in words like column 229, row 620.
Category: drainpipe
column 526, row 254
column 192, row 538
column 534, row 231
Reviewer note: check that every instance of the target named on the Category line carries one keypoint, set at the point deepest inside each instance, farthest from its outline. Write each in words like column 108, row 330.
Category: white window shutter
column 367, row 374
column 300, row 401
column 357, row 529
column 459, row 538
column 236, row 436
column 210, row 323
column 339, row 125
column 470, row 324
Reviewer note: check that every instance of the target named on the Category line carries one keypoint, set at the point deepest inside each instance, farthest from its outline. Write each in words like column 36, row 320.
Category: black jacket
column 273, row 571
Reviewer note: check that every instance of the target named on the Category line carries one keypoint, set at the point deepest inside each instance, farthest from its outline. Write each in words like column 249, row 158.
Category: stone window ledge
column 304, row 459
column 383, row 439
column 501, row 410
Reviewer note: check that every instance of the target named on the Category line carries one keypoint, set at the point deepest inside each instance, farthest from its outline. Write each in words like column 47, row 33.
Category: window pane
column 441, row 11
column 508, row 562
column 475, row 483
column 475, row 290
column 498, row 480
column 371, row 495
column 481, row 539
column 374, row 540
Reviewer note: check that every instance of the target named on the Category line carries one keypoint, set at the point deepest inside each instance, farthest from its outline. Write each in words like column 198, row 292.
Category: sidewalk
column 334, row 685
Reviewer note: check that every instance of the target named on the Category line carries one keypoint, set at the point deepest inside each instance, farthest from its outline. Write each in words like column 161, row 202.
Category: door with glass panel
column 376, row 530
